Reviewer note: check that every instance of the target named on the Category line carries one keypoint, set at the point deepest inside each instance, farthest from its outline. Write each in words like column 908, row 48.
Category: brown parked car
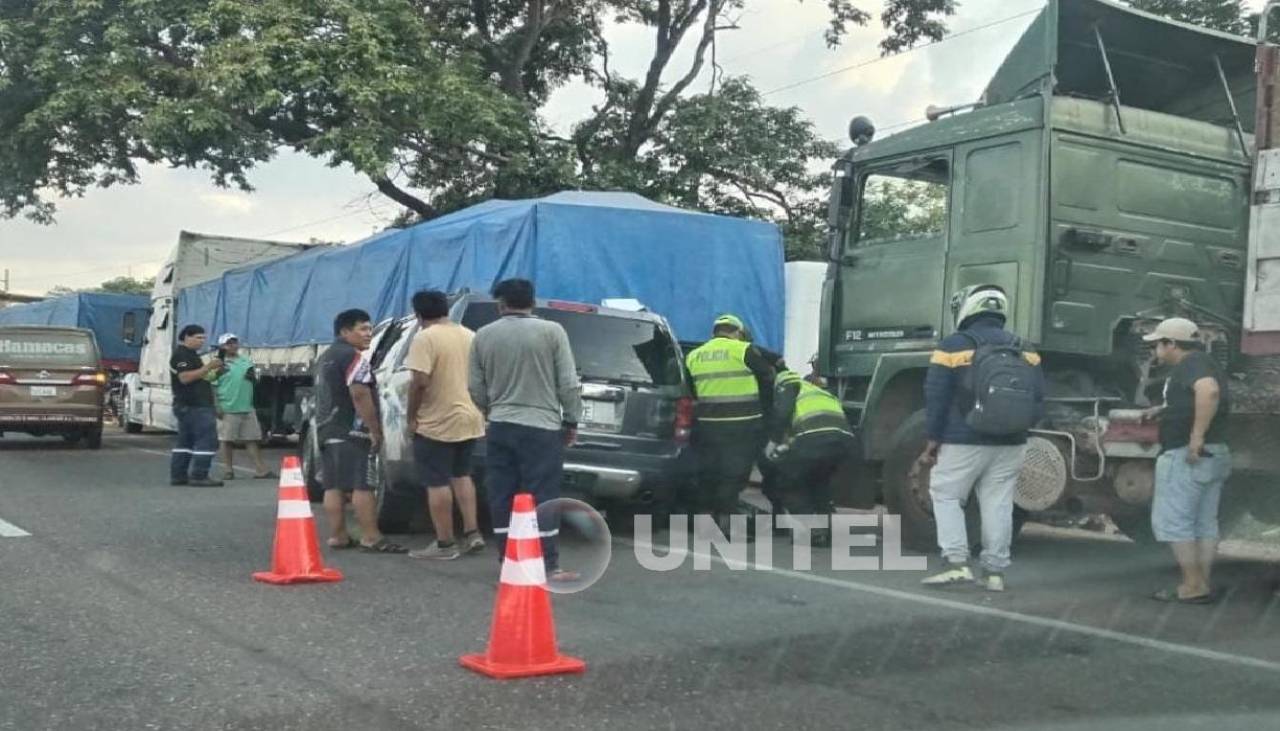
column 51, row 383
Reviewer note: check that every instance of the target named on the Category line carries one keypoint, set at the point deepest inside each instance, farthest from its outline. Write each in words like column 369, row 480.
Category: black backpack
column 1003, row 386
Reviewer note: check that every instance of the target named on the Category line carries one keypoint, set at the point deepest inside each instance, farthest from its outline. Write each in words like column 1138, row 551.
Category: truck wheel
column 123, row 417
column 905, row 495
column 93, row 438
column 311, row 473
column 909, row 498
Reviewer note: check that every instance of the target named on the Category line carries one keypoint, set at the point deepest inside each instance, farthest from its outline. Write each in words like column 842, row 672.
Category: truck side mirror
column 840, row 209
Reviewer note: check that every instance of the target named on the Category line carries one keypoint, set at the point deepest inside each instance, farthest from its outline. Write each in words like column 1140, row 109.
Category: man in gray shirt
column 524, row 380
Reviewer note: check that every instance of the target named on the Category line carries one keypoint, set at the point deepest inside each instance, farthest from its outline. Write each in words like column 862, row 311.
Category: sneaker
column 205, row 483
column 437, row 552
column 473, row 542
column 992, row 582
column 956, row 573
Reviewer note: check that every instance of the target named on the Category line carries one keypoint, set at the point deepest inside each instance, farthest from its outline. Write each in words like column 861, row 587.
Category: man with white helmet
column 983, row 392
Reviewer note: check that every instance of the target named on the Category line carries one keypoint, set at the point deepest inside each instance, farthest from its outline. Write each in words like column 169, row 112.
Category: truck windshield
column 604, row 347
column 46, row 348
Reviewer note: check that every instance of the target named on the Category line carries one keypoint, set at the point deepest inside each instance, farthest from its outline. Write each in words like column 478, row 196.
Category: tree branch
column 403, row 197
column 750, row 189
column 699, row 57
column 529, row 33
column 669, row 34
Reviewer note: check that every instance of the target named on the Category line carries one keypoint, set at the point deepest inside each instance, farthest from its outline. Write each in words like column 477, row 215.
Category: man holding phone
column 237, row 419
column 1194, row 462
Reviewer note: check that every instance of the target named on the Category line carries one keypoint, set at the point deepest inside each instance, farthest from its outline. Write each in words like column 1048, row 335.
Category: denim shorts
column 1185, row 506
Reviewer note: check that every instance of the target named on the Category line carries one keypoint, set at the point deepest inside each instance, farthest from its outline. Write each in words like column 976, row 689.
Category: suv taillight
column 89, row 379
column 684, row 420
column 6, row 377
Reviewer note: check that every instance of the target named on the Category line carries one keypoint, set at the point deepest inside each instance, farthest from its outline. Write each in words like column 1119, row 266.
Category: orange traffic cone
column 522, row 638
column 295, row 557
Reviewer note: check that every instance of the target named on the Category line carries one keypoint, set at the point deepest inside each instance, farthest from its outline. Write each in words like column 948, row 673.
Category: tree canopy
column 437, row 103
column 1231, row 16
column 117, row 285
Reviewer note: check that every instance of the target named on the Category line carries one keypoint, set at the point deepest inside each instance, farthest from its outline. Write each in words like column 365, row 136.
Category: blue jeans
column 523, row 459
column 196, row 443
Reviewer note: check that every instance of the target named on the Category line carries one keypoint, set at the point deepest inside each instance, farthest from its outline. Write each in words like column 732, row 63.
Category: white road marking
column 237, row 468
column 9, row 530
column 1057, row 625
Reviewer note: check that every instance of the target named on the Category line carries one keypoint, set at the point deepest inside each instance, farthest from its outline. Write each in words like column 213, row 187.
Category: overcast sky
column 130, row 229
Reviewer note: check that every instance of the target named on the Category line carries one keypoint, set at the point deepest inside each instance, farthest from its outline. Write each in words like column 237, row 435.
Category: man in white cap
column 237, row 420
column 1194, row 461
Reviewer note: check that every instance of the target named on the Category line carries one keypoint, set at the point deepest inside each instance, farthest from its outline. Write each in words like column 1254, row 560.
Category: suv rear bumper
column 609, row 483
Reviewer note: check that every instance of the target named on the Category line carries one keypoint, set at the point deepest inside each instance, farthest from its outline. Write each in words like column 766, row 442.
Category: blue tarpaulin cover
column 100, row 312
column 578, row 246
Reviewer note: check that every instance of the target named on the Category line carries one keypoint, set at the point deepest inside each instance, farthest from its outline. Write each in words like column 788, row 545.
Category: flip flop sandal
column 265, row 475
column 351, row 543
column 383, row 546
column 1171, row 596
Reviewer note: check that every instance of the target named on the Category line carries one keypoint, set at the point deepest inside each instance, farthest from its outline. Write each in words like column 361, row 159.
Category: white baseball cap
column 226, row 338
column 1175, row 328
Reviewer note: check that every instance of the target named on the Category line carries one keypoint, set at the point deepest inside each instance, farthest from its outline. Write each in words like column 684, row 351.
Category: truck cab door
column 893, row 259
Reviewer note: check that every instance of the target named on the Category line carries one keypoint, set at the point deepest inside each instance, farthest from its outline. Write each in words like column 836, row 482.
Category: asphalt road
column 130, row 606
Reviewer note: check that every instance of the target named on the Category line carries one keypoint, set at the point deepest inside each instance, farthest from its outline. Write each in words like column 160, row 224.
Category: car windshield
column 605, row 347
column 45, row 348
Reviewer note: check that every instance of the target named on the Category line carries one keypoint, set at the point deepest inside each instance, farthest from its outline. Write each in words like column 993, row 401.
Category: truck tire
column 908, row 496
column 123, row 417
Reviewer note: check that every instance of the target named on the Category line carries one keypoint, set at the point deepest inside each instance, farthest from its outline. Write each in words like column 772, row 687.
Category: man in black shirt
column 193, row 410
column 349, row 432
column 1194, row 462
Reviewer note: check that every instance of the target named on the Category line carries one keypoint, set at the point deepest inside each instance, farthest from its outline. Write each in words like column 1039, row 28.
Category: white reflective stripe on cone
column 526, row 572
column 294, row 509
column 291, row 477
column 523, row 525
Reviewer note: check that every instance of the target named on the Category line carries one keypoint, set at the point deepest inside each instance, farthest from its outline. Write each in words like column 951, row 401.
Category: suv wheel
column 93, row 437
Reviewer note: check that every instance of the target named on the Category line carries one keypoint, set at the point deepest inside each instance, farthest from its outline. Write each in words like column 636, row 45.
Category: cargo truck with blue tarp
column 583, row 247
column 118, row 322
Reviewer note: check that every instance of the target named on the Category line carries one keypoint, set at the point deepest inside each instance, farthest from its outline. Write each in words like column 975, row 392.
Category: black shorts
column 438, row 462
column 346, row 465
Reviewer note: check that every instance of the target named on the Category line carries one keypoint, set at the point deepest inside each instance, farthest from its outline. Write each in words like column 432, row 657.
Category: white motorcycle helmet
column 978, row 299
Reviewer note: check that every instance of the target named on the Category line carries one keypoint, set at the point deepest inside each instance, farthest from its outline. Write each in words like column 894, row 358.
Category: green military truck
column 1105, row 180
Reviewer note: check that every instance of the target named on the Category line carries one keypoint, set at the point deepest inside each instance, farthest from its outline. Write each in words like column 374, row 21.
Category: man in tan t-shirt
column 444, row 424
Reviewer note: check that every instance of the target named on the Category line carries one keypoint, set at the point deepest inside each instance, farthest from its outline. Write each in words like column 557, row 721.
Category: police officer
column 729, row 375
column 810, row 438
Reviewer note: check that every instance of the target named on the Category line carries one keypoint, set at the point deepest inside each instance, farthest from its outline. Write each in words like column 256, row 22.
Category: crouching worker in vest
column 983, row 392
column 811, row 437
column 729, row 375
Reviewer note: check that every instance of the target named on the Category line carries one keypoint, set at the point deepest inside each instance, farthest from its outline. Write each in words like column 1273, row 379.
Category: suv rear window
column 605, row 347
column 34, row 347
